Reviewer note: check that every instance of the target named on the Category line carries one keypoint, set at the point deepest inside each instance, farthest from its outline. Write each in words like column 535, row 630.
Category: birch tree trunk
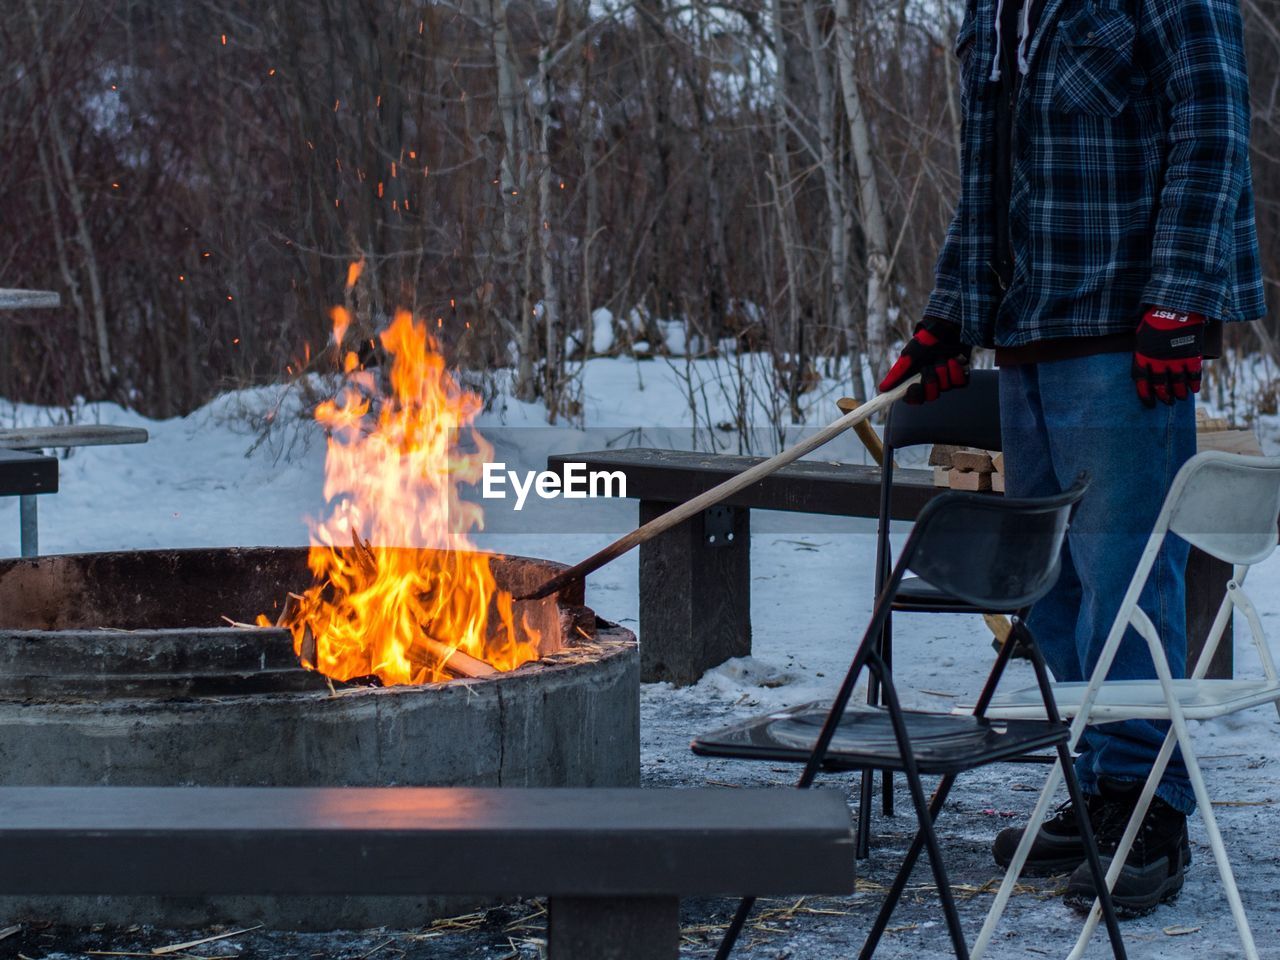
column 550, row 286
column 75, row 198
column 784, row 193
column 511, row 183
column 953, row 89
column 874, row 225
column 830, row 169
column 84, row 338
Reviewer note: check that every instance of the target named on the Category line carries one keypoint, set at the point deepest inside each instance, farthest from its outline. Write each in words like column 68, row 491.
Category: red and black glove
column 1167, row 355
column 936, row 353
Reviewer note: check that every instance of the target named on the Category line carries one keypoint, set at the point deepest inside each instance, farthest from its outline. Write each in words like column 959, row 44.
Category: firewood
column 997, row 461
column 309, row 652
column 940, row 476
column 239, row 624
column 1232, row 441
column 364, row 555
column 290, row 608
column 940, row 455
column 969, row 480
column 997, row 482
column 978, row 461
column 455, row 661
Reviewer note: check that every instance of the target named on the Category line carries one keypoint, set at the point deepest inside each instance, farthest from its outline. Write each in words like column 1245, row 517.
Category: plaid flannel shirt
column 1131, row 183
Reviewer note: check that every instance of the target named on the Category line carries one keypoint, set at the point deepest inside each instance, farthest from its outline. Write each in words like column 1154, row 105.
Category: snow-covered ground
column 195, row 484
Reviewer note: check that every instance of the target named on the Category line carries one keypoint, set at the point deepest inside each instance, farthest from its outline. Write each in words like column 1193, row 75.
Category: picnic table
column 20, row 445
column 695, row 580
column 28, row 299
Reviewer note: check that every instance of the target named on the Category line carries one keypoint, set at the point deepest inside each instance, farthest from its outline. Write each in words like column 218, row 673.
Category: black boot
column 1154, row 870
column 1057, row 847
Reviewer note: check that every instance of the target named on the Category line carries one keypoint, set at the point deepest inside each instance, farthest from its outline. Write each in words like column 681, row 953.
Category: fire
column 397, row 587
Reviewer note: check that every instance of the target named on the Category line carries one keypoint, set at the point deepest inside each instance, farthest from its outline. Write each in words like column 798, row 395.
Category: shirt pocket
column 1095, row 63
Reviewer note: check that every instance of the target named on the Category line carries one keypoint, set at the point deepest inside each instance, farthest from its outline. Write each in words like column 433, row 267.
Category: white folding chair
column 1226, row 505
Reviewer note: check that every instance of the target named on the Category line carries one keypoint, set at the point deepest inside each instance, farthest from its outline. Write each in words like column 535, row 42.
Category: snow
column 601, row 331
column 203, row 480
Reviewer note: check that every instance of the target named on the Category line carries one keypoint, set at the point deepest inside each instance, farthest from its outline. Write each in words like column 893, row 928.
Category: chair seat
column 865, row 740
column 1139, row 699
column 918, row 594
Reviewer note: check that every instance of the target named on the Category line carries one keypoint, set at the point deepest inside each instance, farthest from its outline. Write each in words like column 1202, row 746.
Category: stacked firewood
column 967, row 468
column 1216, row 433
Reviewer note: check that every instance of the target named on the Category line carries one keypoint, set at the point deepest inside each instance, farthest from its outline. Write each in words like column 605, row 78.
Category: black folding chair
column 963, row 418
column 994, row 553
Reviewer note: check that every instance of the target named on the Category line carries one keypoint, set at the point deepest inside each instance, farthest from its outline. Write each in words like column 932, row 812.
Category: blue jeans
column 1062, row 418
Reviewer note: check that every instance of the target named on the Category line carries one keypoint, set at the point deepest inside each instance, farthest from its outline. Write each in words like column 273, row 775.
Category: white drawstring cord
column 1024, row 39
column 1024, row 36
column 995, row 61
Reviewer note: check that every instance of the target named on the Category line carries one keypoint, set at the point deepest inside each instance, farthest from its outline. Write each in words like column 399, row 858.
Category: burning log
column 455, row 661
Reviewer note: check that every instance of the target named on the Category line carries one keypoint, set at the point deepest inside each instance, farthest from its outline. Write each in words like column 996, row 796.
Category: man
column 1105, row 231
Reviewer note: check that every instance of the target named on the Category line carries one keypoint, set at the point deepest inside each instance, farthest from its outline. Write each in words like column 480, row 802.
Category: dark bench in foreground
column 613, row 862
column 695, row 580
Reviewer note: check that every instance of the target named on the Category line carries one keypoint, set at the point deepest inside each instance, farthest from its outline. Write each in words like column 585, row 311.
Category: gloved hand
column 936, row 353
column 1167, row 355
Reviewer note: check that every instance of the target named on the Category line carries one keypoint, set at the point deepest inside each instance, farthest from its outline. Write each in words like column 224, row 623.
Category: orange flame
column 398, row 604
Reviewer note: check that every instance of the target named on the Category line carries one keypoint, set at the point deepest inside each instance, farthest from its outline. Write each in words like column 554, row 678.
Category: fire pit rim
column 74, row 577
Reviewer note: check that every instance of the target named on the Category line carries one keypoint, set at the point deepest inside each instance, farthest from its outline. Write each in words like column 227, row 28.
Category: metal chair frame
column 868, row 656
column 970, row 419
column 1226, row 505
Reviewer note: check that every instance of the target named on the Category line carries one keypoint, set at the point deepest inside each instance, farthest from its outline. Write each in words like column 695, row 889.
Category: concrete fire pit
column 118, row 669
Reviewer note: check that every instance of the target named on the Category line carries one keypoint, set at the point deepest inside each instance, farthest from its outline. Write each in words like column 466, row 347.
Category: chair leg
column 1178, row 723
column 924, row 818
column 866, row 792
column 866, row 787
column 1126, row 841
column 904, row 872
column 1215, row 841
column 1180, row 735
column 886, row 776
column 1066, row 767
column 820, row 746
column 735, row 928
column 1091, row 853
column 1019, row 860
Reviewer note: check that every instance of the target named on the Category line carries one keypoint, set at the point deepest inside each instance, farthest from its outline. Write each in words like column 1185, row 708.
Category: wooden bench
column 56, row 437
column 695, row 580
column 613, row 862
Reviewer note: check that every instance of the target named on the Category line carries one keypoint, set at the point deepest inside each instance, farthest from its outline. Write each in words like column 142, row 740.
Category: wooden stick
column 999, row 626
column 866, row 433
column 722, row 491
column 455, row 661
column 180, row 947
